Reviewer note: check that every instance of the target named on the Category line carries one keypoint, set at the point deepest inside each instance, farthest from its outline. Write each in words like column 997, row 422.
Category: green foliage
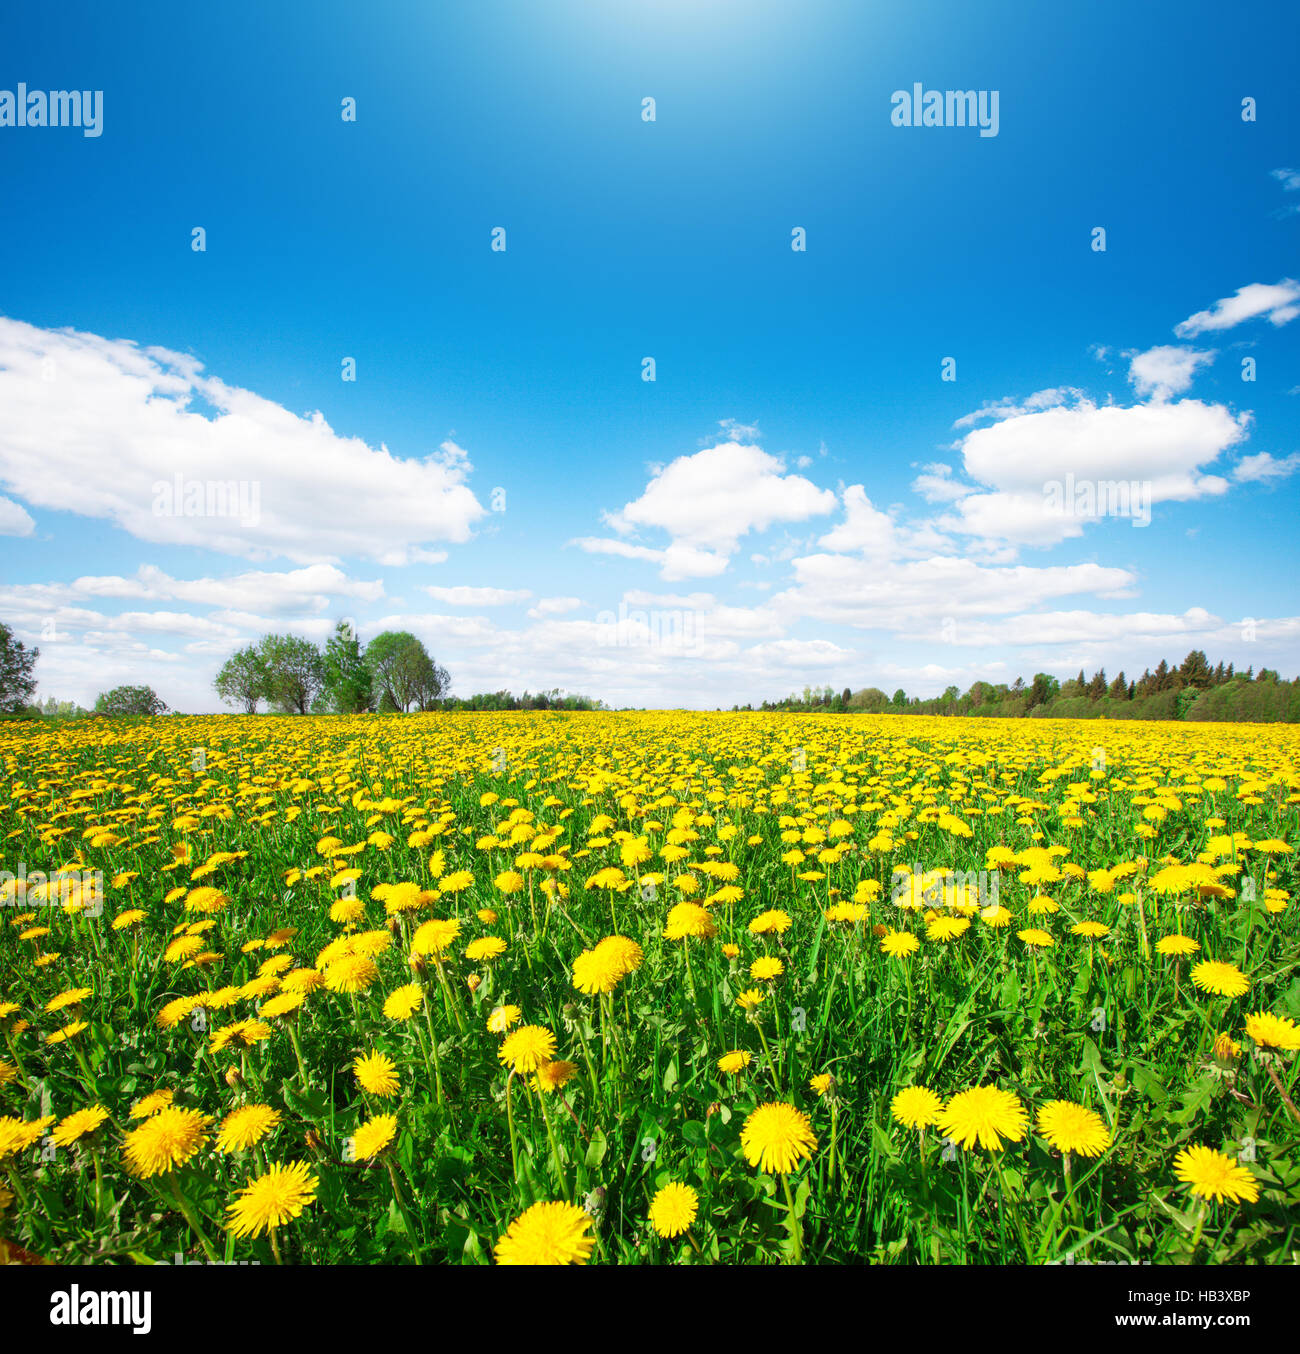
column 130, row 700
column 17, row 684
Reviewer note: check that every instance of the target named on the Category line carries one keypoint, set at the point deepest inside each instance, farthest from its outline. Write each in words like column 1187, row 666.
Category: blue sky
column 798, row 497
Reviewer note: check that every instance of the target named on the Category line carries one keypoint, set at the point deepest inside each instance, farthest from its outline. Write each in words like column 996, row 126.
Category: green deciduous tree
column 17, row 685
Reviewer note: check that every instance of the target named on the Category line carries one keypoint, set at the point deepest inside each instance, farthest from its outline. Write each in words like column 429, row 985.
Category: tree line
column 1191, row 690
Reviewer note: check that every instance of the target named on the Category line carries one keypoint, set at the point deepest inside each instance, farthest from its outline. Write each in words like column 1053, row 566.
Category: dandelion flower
column 377, row 1074
column 735, row 1062
column 1222, row 980
column 272, row 1199
column 403, row 1002
column 899, row 944
column 547, row 1234
column 673, row 1209
column 1273, row 1031
column 1176, row 945
column 503, row 1018
column 246, row 1127
column 152, row 1103
column 78, row 1124
column 916, row 1107
column 374, row 1136
column 528, row 1048
column 766, row 968
column 1072, row 1128
column 165, row 1140
column 776, row 1137
column 552, row 1075
column 984, row 1114
column 1212, row 1175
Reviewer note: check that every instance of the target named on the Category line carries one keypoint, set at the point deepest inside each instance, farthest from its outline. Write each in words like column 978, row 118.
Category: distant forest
column 1192, row 690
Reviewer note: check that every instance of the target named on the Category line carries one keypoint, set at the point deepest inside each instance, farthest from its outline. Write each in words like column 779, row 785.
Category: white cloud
column 935, row 484
column 1165, row 371
column 554, row 606
column 1279, row 301
column 1009, row 407
column 15, row 520
column 892, row 596
column 1159, row 447
column 463, row 596
column 707, row 501
column 102, row 427
column 1262, row 466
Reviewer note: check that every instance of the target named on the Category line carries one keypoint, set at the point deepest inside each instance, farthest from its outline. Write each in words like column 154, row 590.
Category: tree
column 1195, row 670
column 348, row 683
column 847, row 695
column 404, row 674
column 17, row 685
column 1097, row 686
column 1044, row 688
column 130, row 700
column 1119, row 688
column 294, row 671
column 899, row 700
column 243, row 679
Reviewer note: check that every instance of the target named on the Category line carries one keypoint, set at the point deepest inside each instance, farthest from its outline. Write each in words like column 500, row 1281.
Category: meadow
column 649, row 988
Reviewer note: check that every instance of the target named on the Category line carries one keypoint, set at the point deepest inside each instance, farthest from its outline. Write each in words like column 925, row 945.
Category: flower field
column 649, row 988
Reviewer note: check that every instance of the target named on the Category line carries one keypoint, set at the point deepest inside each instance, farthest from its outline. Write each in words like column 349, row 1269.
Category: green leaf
column 596, row 1149
column 693, row 1133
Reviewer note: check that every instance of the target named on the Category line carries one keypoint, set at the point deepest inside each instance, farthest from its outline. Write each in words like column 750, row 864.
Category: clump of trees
column 130, row 700
column 394, row 672
column 1190, row 690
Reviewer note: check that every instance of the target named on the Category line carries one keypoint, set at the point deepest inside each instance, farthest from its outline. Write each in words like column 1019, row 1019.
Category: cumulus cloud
column 464, row 596
column 15, row 520
column 1262, row 466
column 1279, row 302
column 1009, row 407
column 707, row 501
column 1165, row 371
column 103, row 428
column 1161, row 447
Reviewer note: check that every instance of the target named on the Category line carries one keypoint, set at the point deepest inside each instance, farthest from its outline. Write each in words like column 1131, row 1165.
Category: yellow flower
column 673, row 1209
column 377, row 1074
column 1072, row 1128
column 771, row 921
column 503, row 1018
column 821, row 1083
column 152, row 1103
column 750, row 998
column 984, row 1114
column 547, row 1234
column 899, row 944
column 1273, row 1031
column 916, row 1107
column 78, row 1124
column 246, row 1127
column 553, row 1075
column 766, row 968
column 735, row 1062
column 1223, row 980
column 165, row 1140
column 374, row 1136
column 776, row 1137
column 272, row 1199
column 351, row 973
column 528, row 1048
column 1036, row 939
column 1176, row 945
column 487, row 947
column 1212, row 1175
column 436, row 936
column 403, row 1002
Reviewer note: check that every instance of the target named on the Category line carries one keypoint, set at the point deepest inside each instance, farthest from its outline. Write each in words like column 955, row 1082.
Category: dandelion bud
column 233, row 1078
column 473, row 981
column 418, row 966
column 312, row 1139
